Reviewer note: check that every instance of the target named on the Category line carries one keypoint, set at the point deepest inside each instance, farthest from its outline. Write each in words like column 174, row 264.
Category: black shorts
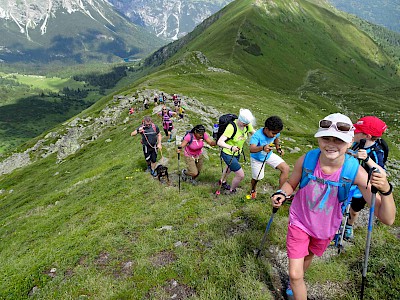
column 150, row 154
column 169, row 129
column 357, row 204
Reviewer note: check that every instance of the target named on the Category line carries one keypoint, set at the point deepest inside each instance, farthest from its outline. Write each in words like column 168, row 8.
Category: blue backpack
column 347, row 175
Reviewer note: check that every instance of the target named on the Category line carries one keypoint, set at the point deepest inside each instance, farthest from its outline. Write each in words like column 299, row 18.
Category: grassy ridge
column 101, row 232
column 277, row 45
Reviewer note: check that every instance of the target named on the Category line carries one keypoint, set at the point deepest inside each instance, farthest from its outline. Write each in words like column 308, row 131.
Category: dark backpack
column 190, row 132
column 223, row 122
column 384, row 147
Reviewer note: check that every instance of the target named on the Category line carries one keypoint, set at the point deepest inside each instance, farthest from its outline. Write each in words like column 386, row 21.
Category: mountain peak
column 36, row 14
column 44, row 30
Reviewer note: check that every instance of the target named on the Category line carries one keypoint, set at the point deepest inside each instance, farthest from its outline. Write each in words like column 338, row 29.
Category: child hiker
column 193, row 153
column 315, row 213
column 261, row 153
column 151, row 141
column 371, row 129
column 232, row 147
column 166, row 116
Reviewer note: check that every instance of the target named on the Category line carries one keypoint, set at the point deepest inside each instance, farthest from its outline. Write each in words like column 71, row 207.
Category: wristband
column 388, row 192
column 366, row 160
column 231, row 149
column 179, row 147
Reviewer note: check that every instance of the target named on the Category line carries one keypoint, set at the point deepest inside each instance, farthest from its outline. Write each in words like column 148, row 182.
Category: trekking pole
column 262, row 166
column 274, row 210
column 340, row 246
column 374, row 190
column 218, row 191
column 179, row 173
column 341, row 238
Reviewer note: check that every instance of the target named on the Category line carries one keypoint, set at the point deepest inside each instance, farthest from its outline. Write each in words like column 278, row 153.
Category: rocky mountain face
column 169, row 19
column 77, row 30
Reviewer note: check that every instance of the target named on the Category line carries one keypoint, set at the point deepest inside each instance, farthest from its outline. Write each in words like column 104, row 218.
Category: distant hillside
column 281, row 45
column 381, row 12
column 70, row 31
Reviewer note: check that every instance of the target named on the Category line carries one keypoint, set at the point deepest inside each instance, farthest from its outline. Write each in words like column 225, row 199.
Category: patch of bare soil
column 171, row 290
column 125, row 269
column 163, row 258
column 102, row 260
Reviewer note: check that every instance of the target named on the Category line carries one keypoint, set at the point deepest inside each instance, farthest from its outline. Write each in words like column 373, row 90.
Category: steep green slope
column 278, row 43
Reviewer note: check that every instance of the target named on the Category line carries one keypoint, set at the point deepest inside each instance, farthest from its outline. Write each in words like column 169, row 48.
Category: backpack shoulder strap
column 347, row 176
column 309, row 164
column 234, row 130
column 191, row 137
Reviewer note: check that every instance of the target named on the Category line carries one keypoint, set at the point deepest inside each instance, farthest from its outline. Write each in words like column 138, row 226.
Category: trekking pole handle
column 374, row 189
column 282, row 195
column 361, row 145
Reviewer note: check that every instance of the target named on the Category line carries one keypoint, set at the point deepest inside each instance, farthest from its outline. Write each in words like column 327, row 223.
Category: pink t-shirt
column 318, row 218
column 196, row 147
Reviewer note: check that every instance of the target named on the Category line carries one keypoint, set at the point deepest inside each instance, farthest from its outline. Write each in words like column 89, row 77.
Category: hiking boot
column 253, row 194
column 289, row 292
column 153, row 173
column 184, row 177
column 224, row 185
column 193, row 181
column 231, row 192
column 148, row 169
column 348, row 232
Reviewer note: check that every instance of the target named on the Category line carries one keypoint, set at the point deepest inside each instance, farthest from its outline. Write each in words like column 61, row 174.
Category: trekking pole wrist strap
column 388, row 192
column 280, row 192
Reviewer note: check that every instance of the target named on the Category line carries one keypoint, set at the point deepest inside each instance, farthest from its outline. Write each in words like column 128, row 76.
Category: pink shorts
column 299, row 244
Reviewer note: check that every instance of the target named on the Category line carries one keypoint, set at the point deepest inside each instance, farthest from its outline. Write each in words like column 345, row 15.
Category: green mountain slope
column 83, row 220
column 278, row 43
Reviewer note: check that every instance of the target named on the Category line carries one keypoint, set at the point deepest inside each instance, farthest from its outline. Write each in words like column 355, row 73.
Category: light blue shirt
column 260, row 139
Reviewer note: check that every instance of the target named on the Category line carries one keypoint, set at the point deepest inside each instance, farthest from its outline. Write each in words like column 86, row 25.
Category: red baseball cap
column 370, row 125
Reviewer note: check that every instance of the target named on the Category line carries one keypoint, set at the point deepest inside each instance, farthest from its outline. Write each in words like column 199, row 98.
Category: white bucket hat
column 332, row 130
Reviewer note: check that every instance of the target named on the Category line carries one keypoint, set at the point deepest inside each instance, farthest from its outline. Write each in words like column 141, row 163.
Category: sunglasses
column 339, row 126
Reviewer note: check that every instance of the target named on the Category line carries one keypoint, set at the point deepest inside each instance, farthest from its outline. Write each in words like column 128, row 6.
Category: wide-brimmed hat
column 332, row 130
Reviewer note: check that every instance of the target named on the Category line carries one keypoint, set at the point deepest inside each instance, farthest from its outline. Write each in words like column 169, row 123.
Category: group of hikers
column 326, row 177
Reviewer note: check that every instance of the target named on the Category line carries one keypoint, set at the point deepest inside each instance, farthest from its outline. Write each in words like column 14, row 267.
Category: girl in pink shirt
column 315, row 214
column 193, row 143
